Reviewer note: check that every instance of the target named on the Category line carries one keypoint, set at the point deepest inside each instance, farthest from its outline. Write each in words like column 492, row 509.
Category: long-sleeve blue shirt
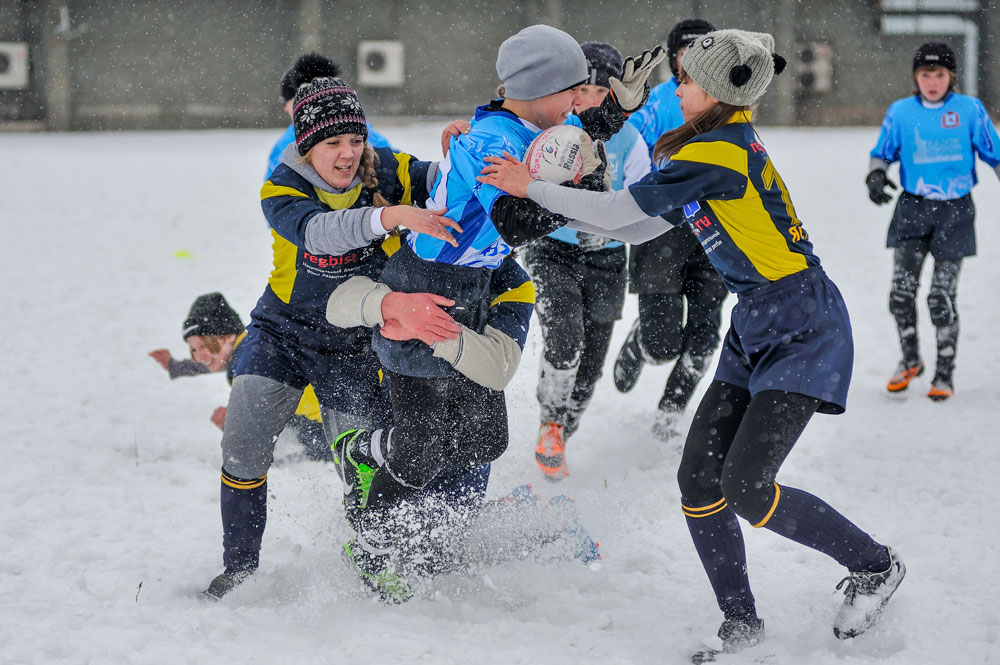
column 936, row 144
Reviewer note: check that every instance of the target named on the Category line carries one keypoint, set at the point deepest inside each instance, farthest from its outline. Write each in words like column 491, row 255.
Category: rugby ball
column 557, row 154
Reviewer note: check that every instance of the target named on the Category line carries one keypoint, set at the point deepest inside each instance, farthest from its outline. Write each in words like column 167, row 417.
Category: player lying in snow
column 214, row 334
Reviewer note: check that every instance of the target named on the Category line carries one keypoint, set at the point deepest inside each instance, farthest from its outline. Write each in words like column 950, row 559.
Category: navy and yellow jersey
column 301, row 282
column 736, row 203
column 512, row 300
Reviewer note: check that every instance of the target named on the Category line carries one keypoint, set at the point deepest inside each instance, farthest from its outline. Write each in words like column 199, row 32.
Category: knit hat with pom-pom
column 326, row 107
column 733, row 66
column 307, row 67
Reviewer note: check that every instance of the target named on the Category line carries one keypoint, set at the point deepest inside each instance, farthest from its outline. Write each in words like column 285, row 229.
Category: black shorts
column 945, row 228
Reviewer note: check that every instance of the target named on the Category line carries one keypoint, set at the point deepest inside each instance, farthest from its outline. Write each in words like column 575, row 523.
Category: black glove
column 877, row 182
column 599, row 179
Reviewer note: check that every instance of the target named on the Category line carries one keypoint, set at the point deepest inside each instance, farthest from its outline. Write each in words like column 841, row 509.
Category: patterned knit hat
column 683, row 34
column 211, row 315
column 603, row 62
column 734, row 66
column 326, row 107
column 306, row 68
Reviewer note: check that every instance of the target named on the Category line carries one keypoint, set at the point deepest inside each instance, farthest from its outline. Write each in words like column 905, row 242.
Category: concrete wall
column 123, row 64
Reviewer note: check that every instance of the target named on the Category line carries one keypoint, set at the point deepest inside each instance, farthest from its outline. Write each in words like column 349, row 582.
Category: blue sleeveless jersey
column 936, row 147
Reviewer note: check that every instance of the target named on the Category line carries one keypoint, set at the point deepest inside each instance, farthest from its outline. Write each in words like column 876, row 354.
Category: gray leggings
column 259, row 408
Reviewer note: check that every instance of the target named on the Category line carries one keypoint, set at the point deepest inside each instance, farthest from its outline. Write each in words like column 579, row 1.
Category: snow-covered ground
column 109, row 518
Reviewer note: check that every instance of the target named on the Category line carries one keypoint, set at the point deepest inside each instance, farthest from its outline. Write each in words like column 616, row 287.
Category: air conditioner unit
column 380, row 63
column 814, row 67
column 13, row 65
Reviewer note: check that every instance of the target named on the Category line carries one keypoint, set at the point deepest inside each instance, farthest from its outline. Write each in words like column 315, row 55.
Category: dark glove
column 598, row 180
column 590, row 242
column 877, row 182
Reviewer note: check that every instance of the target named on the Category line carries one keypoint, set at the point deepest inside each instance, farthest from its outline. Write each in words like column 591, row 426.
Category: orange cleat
column 940, row 390
column 550, row 453
column 901, row 379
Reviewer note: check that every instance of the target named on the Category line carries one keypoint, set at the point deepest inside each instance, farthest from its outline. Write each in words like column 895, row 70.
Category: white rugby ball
column 556, row 155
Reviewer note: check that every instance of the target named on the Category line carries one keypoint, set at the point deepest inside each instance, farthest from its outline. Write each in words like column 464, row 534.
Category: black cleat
column 628, row 364
column 223, row 584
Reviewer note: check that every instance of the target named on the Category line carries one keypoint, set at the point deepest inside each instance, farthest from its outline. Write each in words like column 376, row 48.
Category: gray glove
column 590, row 242
column 631, row 91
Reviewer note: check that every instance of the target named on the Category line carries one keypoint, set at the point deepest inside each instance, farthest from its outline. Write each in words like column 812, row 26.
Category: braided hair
column 369, row 176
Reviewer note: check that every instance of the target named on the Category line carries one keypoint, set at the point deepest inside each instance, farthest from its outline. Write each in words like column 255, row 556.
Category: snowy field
column 109, row 519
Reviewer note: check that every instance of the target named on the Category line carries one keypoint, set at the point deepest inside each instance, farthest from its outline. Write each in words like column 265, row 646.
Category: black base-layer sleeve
column 520, row 221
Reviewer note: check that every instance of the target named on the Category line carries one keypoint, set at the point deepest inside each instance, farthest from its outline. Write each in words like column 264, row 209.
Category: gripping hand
column 877, row 181
column 596, row 177
column 631, row 90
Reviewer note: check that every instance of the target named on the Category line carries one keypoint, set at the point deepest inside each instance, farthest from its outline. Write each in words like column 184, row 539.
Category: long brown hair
column 717, row 116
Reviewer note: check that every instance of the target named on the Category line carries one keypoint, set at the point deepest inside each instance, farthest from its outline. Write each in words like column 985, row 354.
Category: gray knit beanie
column 538, row 61
column 734, row 66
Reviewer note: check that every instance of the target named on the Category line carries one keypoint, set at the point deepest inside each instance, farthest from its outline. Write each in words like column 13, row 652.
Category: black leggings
column 439, row 423
column 736, row 446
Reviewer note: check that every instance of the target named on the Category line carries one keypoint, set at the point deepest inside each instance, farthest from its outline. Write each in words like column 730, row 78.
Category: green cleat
column 356, row 475
column 377, row 572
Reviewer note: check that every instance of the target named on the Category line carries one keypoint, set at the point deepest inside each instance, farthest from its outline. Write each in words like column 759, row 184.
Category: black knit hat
column 934, row 54
column 211, row 315
column 603, row 62
column 326, row 107
column 684, row 34
column 308, row 67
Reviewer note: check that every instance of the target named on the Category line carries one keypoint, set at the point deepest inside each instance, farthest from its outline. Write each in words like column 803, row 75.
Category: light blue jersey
column 628, row 164
column 469, row 202
column 288, row 136
column 659, row 115
column 936, row 144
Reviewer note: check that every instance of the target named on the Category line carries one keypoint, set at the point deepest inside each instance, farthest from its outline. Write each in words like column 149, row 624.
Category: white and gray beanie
column 538, row 61
column 734, row 66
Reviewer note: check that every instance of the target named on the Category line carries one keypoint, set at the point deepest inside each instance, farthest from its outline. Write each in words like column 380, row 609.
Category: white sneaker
column 867, row 594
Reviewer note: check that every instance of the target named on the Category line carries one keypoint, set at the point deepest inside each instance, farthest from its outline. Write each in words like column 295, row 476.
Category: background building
column 148, row 64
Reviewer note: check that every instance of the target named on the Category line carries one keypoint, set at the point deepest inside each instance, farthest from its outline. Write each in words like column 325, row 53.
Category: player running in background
column 214, row 334
column 580, row 279
column 680, row 294
column 935, row 134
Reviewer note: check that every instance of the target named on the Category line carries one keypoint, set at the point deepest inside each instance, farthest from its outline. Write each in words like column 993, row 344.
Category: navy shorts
column 792, row 335
column 347, row 381
column 945, row 228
